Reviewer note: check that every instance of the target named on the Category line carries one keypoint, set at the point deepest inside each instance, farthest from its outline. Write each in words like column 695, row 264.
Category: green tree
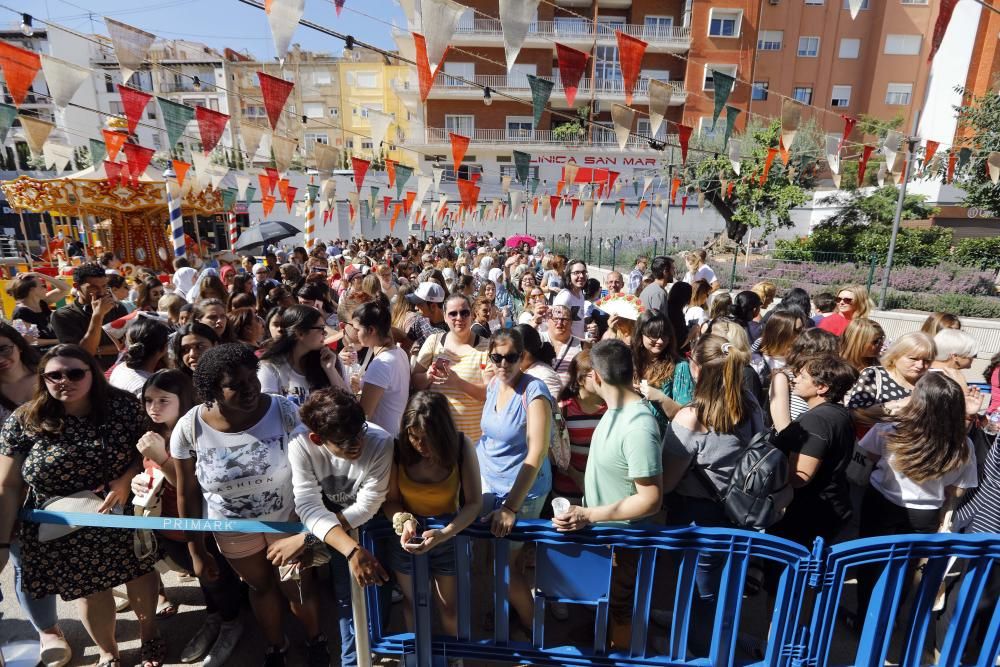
column 982, row 253
column 753, row 205
column 877, row 126
column 981, row 117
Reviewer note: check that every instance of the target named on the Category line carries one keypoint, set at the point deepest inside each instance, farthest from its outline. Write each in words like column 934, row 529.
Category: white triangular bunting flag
column 890, row 148
column 284, row 18
column 57, row 154
column 252, row 134
column 326, row 157
column 131, row 46
column 833, row 153
column 439, row 18
column 436, row 173
column 881, row 174
column 993, row 163
column 63, row 79
column 836, row 179
column 242, row 181
column 217, row 172
column 855, row 7
column 515, row 201
column 515, row 18
column 202, row 164
column 647, row 182
column 283, row 150
column 442, row 201
column 659, row 101
column 380, row 123
column 36, row 132
column 588, row 210
column 623, row 118
column 423, row 185
column 735, row 147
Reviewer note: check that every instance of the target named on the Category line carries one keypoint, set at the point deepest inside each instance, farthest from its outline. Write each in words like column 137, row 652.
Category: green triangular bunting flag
column 534, row 185
column 176, row 117
column 229, row 198
column 98, row 151
column 541, row 89
column 963, row 157
column 723, row 87
column 731, row 114
column 403, row 174
column 313, row 191
column 372, row 197
column 251, row 191
column 7, row 116
column 521, row 162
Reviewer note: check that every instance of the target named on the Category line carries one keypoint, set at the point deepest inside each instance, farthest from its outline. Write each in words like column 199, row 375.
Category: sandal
column 166, row 609
column 111, row 662
column 152, row 653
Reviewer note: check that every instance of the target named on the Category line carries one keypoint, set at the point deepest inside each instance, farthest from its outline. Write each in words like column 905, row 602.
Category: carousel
column 127, row 216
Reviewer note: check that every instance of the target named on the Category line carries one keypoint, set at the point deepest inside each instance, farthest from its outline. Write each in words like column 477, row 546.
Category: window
column 769, row 40
column 519, row 127
column 864, row 4
column 255, row 111
column 808, row 47
column 657, row 26
column 511, row 170
column 849, row 47
column 109, row 84
column 334, row 112
column 465, row 171
column 115, row 107
column 519, row 75
column 151, row 112
column 759, row 91
column 157, row 141
column 899, row 94
column 366, row 79
column 709, row 83
column 814, row 2
column 840, row 96
column 312, row 109
column 607, row 68
column 803, row 94
column 322, row 78
column 464, row 124
column 366, row 145
column 902, row 45
column 458, row 71
column 914, row 2
column 705, row 128
column 350, row 143
column 724, row 22
column 313, row 138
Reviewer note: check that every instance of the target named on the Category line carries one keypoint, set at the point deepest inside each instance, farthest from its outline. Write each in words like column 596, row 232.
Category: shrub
column 982, row 253
column 963, row 305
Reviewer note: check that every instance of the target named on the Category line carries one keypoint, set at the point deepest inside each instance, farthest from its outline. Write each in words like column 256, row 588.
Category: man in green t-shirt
column 622, row 481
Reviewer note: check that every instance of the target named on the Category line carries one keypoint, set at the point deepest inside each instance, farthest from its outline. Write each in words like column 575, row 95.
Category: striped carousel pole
column 176, row 219
column 233, row 230
column 310, row 229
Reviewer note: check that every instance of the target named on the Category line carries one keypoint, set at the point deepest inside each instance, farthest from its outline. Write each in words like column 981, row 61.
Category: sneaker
column 225, row 643
column 202, row 640
column 397, row 595
column 560, row 611
column 318, row 652
column 275, row 657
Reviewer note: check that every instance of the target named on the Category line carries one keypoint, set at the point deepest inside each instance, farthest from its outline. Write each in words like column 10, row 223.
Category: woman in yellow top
column 429, row 475
column 452, row 363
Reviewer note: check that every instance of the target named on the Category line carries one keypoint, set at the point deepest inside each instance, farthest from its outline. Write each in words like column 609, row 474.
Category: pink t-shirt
column 994, row 390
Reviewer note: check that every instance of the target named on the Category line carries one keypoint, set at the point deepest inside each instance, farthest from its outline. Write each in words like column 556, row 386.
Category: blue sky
column 220, row 23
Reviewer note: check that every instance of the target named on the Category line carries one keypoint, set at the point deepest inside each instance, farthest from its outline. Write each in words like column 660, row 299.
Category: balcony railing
column 599, row 138
column 518, row 83
column 580, row 30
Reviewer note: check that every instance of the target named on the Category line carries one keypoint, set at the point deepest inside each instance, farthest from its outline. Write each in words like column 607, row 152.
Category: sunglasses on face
column 845, row 299
column 72, row 375
column 459, row 314
column 511, row 358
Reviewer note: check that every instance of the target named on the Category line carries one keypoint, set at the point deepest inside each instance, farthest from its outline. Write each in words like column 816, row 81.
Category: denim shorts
column 441, row 559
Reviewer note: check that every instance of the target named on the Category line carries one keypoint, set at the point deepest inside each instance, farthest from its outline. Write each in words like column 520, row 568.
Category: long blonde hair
column 858, row 335
column 862, row 302
column 720, row 365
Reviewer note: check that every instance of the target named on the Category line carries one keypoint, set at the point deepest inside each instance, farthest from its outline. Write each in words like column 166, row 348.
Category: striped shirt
column 565, row 356
column 980, row 512
column 581, row 427
column 468, row 411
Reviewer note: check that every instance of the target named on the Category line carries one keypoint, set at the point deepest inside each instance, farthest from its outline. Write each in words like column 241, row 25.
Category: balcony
column 602, row 139
column 606, row 90
column 542, row 34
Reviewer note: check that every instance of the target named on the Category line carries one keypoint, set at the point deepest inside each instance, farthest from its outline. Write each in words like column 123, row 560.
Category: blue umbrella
column 258, row 237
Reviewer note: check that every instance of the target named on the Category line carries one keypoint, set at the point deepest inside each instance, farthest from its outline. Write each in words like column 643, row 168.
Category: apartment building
column 369, row 83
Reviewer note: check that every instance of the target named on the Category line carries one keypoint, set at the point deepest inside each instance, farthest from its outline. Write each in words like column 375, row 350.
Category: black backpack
column 759, row 490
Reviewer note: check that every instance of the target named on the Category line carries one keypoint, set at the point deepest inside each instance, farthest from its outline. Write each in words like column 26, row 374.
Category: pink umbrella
column 518, row 239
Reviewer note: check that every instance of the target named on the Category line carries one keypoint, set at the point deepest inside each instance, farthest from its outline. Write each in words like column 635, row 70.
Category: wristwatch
column 312, row 541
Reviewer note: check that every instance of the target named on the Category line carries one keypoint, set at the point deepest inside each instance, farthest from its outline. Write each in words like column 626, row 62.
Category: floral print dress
column 83, row 457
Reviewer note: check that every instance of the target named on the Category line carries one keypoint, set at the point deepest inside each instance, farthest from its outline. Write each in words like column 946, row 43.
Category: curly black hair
column 88, row 270
column 216, row 363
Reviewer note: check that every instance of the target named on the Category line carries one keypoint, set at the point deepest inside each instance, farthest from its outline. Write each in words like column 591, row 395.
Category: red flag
column 684, row 203
column 138, row 159
column 113, row 141
column 571, row 66
column 553, row 204
column 929, row 152
column 866, row 153
column 267, row 201
column 408, row 202
column 952, row 159
column 729, row 189
column 210, row 127
column 360, row 169
column 19, row 69
column 612, row 177
column 674, row 187
column 534, row 206
column 180, row 170
column 390, row 169
column 425, row 76
column 275, row 92
column 272, row 179
column 642, row 207
column 630, row 52
column 465, row 188
column 395, row 214
column 849, row 124
column 126, row 176
column 338, row 5
column 133, row 104
column 385, row 204
column 459, row 145
column 289, row 196
column 475, row 194
column 113, row 171
column 771, row 152
column 941, row 25
column 575, row 202
column 621, row 206
column 684, row 136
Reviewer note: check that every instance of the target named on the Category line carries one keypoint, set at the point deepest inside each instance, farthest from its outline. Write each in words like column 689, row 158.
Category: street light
column 26, row 28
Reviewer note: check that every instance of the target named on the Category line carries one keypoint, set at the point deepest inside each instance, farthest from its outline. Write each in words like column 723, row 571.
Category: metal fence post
column 614, row 252
column 362, row 639
column 872, row 263
column 656, row 244
column 732, row 275
column 600, row 249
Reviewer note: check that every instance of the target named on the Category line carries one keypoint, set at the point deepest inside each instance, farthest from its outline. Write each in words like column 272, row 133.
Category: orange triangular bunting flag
column 783, row 151
column 113, row 141
column 180, row 170
column 459, row 145
column 289, row 197
column 425, row 77
column 267, row 201
column 19, row 69
column 390, row 170
column 642, row 207
column 408, row 202
column 771, row 152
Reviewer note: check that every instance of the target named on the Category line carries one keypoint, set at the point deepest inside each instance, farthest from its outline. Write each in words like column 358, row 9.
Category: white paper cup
column 560, row 506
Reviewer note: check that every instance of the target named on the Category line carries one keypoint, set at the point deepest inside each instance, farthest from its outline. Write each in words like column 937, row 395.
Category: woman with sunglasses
column 852, row 303
column 565, row 344
column 33, row 301
column 536, row 311
column 513, row 461
column 298, row 361
column 77, row 422
column 663, row 375
column 232, row 462
column 452, row 363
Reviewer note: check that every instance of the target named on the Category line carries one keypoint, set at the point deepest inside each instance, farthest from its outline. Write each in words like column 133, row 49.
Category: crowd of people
column 457, row 378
